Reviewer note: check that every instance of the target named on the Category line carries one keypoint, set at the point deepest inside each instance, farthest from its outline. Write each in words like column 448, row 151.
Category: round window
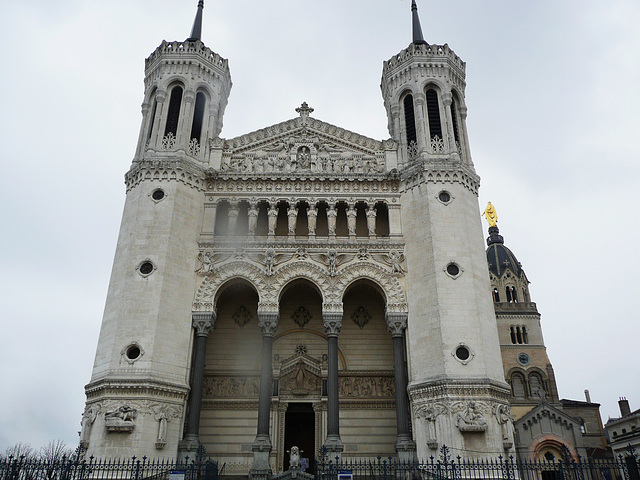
column 444, row 196
column 462, row 353
column 158, row 194
column 133, row 352
column 146, row 268
column 523, row 359
column 453, row 269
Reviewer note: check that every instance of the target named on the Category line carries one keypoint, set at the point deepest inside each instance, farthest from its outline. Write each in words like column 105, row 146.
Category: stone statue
column 371, row 221
column 332, row 215
column 351, row 220
column 253, row 219
column 233, row 216
column 294, row 458
column 273, row 219
column 122, row 419
column 269, row 262
column 292, row 215
column 491, row 215
column 206, row 264
column 304, row 158
column 471, row 418
column 88, row 418
column 312, row 216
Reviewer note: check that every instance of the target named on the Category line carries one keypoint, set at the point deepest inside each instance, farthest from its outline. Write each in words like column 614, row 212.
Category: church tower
column 456, row 381
column 139, row 385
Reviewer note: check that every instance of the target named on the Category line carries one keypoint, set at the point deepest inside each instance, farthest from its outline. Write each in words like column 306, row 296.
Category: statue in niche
column 273, row 219
column 351, row 220
column 292, row 216
column 88, row 418
column 294, row 458
column 371, row 221
column 332, row 215
column 162, row 417
column 253, row 219
column 303, row 158
column 269, row 262
column 312, row 217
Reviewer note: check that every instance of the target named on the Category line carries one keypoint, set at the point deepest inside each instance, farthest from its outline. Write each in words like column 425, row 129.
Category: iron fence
column 25, row 468
column 444, row 467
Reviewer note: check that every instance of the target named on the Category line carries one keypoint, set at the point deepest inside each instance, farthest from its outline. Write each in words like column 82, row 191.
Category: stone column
column 462, row 130
column 260, row 469
column 422, row 132
column 332, row 325
column 451, row 137
column 371, row 221
column 405, row 446
column 160, row 121
column 202, row 323
column 185, row 119
column 394, row 123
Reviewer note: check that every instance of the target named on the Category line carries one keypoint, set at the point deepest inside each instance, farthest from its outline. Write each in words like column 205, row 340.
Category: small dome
column 499, row 257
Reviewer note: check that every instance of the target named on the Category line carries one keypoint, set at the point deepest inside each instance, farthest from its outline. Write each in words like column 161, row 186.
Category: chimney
column 587, row 396
column 624, row 406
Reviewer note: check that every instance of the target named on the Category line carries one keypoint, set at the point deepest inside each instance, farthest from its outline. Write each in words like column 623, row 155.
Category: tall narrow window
column 525, row 335
column 152, row 119
column 508, row 292
column 514, row 295
column 174, row 111
column 409, row 119
column 198, row 115
column 454, row 119
column 512, row 330
column 496, row 295
column 517, row 386
column 433, row 113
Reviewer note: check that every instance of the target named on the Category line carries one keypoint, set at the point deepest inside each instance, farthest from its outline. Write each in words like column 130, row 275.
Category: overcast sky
column 553, row 104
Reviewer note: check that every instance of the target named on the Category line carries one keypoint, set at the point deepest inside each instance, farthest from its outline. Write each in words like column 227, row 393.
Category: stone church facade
column 301, row 284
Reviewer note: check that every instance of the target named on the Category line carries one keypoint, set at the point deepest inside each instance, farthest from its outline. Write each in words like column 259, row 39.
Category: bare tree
column 55, row 451
column 19, row 450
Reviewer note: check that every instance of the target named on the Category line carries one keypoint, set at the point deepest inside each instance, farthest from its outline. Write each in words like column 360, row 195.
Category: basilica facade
column 301, row 284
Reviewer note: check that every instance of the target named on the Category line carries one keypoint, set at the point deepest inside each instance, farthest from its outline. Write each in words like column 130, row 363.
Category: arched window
column 173, row 114
column 152, row 118
column 454, row 118
column 525, row 335
column 514, row 295
column 382, row 219
column 512, row 331
column 536, row 387
column 518, row 334
column 496, row 295
column 433, row 114
column 198, row 116
column 222, row 219
column 517, row 386
column 410, row 123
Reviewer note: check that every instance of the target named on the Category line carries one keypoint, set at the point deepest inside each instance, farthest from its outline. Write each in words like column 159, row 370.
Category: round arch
column 209, row 290
column 393, row 293
column 300, row 270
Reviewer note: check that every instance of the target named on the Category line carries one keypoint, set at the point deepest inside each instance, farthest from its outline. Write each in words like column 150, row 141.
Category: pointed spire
column 418, row 39
column 196, row 31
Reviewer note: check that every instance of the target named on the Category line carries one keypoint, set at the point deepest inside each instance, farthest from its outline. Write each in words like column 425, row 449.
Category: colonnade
column 301, row 218
column 203, row 323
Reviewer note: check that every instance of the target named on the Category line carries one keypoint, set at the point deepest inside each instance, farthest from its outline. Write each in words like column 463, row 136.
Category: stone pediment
column 304, row 146
column 545, row 410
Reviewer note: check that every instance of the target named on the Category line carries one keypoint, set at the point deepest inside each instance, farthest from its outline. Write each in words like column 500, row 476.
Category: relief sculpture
column 366, row 387
column 231, row 387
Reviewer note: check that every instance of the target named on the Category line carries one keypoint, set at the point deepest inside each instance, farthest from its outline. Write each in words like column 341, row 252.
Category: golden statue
column 491, row 215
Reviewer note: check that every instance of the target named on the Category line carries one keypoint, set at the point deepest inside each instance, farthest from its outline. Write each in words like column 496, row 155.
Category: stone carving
column 301, row 350
column 88, row 418
column 163, row 414
column 332, row 322
column 231, row 387
column 361, row 316
column 505, row 420
column 301, row 316
column 242, row 316
column 292, row 215
column 312, row 216
column 469, row 416
column 294, row 458
column 389, row 284
column 207, row 260
column 363, row 254
column 395, row 259
column 396, row 323
column 429, row 413
column 206, row 294
column 333, row 260
column 253, row 219
column 268, row 323
column 271, row 259
column 332, row 215
column 272, row 215
column 366, row 387
column 371, row 221
column 301, row 253
column 121, row 419
column 351, row 220
column 300, row 380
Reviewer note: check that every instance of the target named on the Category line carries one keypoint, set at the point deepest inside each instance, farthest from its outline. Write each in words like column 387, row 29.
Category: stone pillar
column 260, row 469
column 185, row 119
column 202, row 323
column 422, row 133
column 405, row 446
column 371, row 221
column 332, row 325
column 159, row 123
column 451, row 137
column 394, row 123
column 462, row 130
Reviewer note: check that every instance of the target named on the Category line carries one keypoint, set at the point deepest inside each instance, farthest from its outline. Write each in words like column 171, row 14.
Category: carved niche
column 300, row 375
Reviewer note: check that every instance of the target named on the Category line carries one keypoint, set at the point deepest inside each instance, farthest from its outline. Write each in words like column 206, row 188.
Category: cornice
column 459, row 389
column 134, row 387
column 446, row 171
column 172, row 169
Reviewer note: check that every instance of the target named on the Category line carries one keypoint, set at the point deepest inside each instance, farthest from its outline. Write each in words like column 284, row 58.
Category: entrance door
column 299, row 431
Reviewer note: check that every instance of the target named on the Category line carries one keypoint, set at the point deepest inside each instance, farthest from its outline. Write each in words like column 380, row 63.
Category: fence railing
column 25, row 468
column 458, row 468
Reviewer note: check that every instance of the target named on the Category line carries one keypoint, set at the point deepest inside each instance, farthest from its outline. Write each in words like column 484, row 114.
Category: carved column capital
column 203, row 322
column 396, row 323
column 446, row 99
column 419, row 98
column 161, row 96
column 332, row 322
column 189, row 96
column 395, row 111
column 268, row 323
column 463, row 112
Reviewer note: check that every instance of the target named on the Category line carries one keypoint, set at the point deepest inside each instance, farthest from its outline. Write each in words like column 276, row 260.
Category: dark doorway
column 299, row 431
